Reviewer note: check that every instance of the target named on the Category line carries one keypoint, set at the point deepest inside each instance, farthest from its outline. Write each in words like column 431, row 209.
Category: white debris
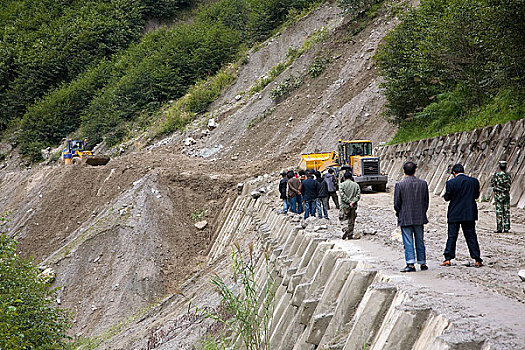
column 189, row 141
column 201, row 224
column 522, row 275
column 212, row 124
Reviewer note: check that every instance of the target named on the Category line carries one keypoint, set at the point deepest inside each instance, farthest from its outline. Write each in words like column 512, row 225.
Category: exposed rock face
column 478, row 150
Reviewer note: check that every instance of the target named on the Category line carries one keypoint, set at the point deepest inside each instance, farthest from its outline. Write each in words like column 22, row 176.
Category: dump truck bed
column 317, row 161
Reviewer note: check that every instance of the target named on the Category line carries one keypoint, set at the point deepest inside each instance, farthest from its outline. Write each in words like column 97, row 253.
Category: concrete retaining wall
column 479, row 151
column 325, row 297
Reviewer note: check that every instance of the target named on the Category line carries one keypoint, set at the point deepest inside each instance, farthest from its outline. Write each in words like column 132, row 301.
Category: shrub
column 318, row 66
column 56, row 47
column 62, row 92
column 441, row 45
column 28, row 317
column 286, row 86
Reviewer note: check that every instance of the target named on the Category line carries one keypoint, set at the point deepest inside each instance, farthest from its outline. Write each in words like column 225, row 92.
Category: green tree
column 28, row 317
column 472, row 46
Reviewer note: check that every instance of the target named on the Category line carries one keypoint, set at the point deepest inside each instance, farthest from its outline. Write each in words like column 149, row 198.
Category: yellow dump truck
column 355, row 155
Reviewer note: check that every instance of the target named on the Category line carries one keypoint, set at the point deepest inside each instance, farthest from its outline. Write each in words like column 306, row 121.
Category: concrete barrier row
column 478, row 150
column 325, row 298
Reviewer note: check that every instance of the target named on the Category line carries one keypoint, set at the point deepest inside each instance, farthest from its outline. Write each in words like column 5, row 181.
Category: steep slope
column 343, row 102
column 120, row 237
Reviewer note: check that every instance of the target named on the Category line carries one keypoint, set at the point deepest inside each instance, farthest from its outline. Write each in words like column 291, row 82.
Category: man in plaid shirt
column 411, row 205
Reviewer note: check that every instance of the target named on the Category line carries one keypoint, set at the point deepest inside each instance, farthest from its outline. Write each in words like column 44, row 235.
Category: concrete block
column 348, row 301
column 281, row 326
column 288, row 275
column 368, row 318
column 401, row 329
column 433, row 327
column 317, row 328
column 307, row 310
column 300, row 293
column 295, row 280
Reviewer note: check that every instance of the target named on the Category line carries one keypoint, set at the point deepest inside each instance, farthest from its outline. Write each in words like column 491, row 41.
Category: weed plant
column 248, row 310
column 286, row 86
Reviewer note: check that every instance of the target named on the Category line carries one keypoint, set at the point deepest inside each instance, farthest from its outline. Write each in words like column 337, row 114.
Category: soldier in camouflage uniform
column 501, row 187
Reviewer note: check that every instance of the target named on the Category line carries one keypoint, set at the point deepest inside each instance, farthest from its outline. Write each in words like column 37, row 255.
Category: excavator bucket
column 95, row 160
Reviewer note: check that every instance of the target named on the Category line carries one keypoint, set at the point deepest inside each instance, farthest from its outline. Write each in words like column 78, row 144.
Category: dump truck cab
column 357, row 156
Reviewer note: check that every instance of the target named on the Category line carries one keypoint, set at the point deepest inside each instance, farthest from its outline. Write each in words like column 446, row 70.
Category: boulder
column 522, row 275
column 201, row 224
column 212, row 124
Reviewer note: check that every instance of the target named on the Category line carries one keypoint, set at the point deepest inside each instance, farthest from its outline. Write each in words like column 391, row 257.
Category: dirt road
column 503, row 253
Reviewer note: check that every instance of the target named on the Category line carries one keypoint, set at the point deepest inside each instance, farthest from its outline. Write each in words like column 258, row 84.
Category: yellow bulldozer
column 353, row 155
column 76, row 153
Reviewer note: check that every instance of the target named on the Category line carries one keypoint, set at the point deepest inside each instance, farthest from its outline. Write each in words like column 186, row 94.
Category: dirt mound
column 120, row 236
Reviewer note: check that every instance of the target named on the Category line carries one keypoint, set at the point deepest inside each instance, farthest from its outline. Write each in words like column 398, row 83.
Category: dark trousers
column 334, row 197
column 469, row 230
column 349, row 214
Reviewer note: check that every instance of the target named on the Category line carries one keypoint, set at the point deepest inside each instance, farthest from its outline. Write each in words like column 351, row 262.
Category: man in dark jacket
column 462, row 192
column 411, row 205
column 310, row 192
column 333, row 186
column 323, row 199
column 283, row 189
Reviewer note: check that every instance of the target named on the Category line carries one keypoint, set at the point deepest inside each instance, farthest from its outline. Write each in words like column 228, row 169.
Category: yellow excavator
column 76, row 153
column 353, row 155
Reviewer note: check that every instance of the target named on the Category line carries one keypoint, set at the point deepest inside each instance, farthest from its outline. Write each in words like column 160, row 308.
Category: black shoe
column 409, row 268
column 506, row 231
column 424, row 267
column 497, row 231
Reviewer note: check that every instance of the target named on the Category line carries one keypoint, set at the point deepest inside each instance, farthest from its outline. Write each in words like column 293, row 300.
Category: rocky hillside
column 122, row 236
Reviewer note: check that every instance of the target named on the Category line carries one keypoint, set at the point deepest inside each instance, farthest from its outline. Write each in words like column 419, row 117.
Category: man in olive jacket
column 350, row 193
column 294, row 191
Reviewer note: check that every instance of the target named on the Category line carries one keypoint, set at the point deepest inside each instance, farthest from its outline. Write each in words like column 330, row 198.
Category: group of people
column 411, row 200
column 309, row 192
column 302, row 193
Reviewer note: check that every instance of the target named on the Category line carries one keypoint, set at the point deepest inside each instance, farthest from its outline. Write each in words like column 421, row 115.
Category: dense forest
column 91, row 68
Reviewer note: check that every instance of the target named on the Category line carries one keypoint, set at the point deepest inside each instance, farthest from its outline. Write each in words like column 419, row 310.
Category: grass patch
column 198, row 98
column 447, row 116
column 317, row 36
column 286, row 86
column 260, row 118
